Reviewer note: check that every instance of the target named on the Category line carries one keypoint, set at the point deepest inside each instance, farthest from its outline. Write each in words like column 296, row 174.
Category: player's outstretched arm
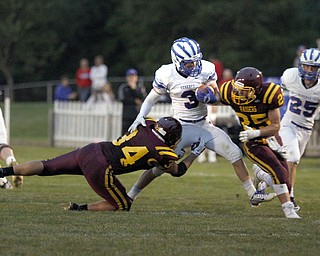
column 146, row 107
column 177, row 170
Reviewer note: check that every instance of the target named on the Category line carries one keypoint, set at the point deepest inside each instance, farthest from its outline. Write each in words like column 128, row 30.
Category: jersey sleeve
column 225, row 93
column 167, row 156
column 274, row 96
column 161, row 80
column 288, row 77
column 209, row 71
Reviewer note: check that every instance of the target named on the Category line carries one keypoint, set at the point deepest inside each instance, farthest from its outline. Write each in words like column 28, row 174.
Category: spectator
column 98, row 75
column 108, row 94
column 299, row 51
column 83, row 81
column 106, row 97
column 63, row 91
column 132, row 96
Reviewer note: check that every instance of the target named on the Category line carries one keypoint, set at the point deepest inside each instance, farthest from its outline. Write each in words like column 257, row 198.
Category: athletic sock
column 6, row 171
column 263, row 176
column 134, row 191
column 291, row 192
column 83, row 207
column 248, row 186
column 10, row 160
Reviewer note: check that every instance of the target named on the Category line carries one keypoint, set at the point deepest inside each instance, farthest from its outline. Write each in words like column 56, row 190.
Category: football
column 202, row 91
column 204, row 88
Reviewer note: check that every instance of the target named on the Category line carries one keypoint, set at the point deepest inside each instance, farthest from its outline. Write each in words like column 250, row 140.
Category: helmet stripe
column 176, row 53
column 316, row 59
column 305, row 55
column 311, row 53
column 184, row 50
column 192, row 47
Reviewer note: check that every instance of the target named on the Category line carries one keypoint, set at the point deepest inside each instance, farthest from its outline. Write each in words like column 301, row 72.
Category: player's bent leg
column 284, row 198
column 145, row 179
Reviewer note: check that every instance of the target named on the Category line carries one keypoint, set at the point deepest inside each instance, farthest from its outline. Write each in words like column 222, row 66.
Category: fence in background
column 76, row 124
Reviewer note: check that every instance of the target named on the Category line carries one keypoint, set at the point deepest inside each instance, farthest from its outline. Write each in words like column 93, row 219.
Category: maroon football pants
column 90, row 162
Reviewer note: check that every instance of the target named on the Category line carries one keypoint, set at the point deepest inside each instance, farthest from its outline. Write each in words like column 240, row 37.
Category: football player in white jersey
column 6, row 154
column 303, row 85
column 181, row 79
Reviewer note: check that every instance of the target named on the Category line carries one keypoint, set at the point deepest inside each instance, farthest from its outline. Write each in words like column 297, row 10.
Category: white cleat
column 289, row 212
column 5, row 184
column 260, row 197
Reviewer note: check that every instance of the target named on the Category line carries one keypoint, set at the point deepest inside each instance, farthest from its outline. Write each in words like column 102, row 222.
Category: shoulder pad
column 289, row 76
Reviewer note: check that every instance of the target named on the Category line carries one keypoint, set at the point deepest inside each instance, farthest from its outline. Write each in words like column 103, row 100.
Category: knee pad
column 280, row 189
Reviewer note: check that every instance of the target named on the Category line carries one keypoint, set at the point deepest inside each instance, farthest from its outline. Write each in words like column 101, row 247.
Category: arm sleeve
column 148, row 103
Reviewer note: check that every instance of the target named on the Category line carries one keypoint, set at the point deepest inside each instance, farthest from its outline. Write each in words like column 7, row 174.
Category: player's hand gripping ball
column 206, row 94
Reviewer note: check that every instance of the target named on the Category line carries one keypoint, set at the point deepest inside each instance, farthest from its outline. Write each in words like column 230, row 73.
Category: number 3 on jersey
column 193, row 102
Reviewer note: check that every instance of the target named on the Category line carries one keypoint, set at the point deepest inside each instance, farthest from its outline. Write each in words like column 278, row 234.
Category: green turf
column 205, row 212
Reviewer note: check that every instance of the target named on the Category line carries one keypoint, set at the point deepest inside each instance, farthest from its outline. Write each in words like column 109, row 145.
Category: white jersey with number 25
column 304, row 104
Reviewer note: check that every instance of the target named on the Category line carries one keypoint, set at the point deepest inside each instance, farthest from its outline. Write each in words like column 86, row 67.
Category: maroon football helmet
column 169, row 129
column 247, row 84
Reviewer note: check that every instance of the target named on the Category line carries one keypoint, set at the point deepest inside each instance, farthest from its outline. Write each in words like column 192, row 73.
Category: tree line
column 41, row 40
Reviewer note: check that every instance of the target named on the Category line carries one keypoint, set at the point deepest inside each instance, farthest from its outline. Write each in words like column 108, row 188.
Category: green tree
column 27, row 45
column 259, row 33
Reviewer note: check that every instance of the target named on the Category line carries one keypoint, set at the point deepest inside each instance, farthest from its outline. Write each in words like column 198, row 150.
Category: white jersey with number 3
column 182, row 89
column 191, row 112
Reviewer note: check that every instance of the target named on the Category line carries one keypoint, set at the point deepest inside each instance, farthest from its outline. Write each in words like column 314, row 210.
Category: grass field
column 205, row 212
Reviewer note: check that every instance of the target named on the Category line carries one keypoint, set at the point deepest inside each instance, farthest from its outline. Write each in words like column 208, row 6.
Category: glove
column 248, row 134
column 135, row 124
column 208, row 97
column 198, row 147
column 275, row 146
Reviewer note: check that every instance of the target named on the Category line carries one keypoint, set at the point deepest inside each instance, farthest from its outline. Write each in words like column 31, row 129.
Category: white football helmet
column 310, row 57
column 186, row 51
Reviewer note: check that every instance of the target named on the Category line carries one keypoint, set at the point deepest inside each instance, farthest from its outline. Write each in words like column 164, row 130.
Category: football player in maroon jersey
column 257, row 106
column 148, row 146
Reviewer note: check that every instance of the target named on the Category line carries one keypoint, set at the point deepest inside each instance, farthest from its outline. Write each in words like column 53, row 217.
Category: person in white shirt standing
column 98, row 76
column 180, row 79
column 7, row 155
column 297, row 123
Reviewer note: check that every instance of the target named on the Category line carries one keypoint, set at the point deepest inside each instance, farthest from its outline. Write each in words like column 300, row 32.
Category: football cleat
column 72, row 207
column 289, row 212
column 295, row 206
column 17, row 180
column 260, row 197
column 5, row 184
column 76, row 207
